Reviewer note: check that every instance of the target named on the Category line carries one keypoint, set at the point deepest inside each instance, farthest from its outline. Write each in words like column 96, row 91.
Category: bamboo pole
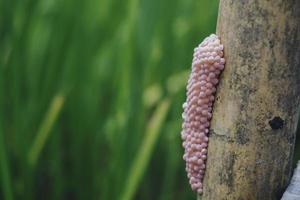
column 255, row 114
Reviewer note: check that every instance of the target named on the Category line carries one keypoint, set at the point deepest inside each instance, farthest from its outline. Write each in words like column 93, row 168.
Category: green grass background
column 91, row 94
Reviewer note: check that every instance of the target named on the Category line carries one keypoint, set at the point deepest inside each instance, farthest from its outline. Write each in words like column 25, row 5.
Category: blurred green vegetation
column 91, row 94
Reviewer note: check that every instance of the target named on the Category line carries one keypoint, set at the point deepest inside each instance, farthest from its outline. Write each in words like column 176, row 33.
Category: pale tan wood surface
column 255, row 114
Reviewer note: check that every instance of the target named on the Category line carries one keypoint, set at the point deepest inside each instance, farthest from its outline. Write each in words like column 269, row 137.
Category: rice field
column 91, row 97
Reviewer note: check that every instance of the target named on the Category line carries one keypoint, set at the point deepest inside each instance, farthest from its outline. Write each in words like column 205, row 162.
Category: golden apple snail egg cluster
column 208, row 62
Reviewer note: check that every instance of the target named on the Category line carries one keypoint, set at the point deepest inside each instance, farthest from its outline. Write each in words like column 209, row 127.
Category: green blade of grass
column 145, row 151
column 45, row 128
column 5, row 172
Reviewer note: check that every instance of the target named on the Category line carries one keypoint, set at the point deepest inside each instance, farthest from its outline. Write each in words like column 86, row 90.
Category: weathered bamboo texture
column 255, row 113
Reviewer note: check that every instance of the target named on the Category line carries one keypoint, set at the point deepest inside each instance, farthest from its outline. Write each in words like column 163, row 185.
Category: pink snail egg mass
column 208, row 62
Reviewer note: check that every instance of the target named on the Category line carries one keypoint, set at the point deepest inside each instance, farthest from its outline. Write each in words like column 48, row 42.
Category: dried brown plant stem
column 256, row 108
